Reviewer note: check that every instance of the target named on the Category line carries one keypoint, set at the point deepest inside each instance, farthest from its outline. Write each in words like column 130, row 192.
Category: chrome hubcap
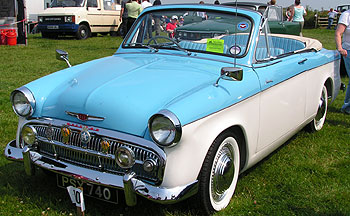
column 322, row 106
column 222, row 172
column 83, row 33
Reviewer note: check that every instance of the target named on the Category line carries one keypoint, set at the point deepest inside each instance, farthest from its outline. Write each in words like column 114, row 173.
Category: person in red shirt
column 170, row 27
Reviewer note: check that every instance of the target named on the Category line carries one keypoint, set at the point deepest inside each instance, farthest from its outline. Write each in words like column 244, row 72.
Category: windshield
column 192, row 31
column 67, row 3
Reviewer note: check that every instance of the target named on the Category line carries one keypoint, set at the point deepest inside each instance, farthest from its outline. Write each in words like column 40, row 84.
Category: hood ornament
column 85, row 137
column 85, row 117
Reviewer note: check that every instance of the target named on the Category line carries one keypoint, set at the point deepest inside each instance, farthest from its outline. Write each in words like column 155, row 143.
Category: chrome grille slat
column 80, row 158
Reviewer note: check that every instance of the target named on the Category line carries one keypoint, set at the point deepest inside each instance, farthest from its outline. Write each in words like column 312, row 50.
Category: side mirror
column 63, row 56
column 230, row 73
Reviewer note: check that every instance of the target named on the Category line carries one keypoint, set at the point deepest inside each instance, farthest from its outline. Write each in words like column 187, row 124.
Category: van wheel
column 83, row 32
column 219, row 173
column 317, row 123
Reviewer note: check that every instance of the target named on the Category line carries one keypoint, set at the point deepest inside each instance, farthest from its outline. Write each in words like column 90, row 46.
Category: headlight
column 23, row 102
column 125, row 157
column 41, row 19
column 165, row 128
column 69, row 19
column 28, row 135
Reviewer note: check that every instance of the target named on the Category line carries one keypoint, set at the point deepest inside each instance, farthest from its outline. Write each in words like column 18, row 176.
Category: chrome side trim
column 129, row 182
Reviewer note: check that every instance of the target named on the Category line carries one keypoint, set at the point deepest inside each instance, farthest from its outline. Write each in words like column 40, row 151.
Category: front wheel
column 219, row 174
column 317, row 123
column 83, row 32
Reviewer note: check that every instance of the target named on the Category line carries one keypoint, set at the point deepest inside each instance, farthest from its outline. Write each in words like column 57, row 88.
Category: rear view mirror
column 63, row 56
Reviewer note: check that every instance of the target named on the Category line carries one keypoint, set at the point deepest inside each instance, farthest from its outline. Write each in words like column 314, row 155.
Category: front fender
column 184, row 161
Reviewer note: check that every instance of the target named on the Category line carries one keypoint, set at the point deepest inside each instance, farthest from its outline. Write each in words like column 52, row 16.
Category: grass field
column 309, row 175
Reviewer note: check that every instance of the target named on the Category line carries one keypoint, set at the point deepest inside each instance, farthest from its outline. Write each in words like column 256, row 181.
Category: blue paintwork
column 63, row 27
column 133, row 84
column 128, row 95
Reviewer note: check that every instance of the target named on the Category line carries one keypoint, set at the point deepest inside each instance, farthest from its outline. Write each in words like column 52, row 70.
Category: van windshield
column 67, row 3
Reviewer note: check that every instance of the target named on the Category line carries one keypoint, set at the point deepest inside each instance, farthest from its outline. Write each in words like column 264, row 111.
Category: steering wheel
column 162, row 37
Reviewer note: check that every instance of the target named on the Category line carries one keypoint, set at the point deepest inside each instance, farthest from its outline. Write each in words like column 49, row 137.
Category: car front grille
column 91, row 156
column 53, row 19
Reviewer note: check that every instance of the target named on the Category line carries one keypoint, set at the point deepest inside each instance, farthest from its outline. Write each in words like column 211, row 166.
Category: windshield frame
column 132, row 32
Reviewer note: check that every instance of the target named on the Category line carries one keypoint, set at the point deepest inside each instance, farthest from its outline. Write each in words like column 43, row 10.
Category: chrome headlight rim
column 131, row 157
column 175, row 122
column 30, row 101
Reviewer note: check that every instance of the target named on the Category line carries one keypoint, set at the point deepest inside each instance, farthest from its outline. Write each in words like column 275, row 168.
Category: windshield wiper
column 177, row 46
column 142, row 45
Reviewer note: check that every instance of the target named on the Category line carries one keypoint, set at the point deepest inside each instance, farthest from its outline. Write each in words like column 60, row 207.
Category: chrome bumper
column 129, row 182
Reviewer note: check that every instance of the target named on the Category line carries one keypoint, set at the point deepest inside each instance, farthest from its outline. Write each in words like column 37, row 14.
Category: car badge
column 85, row 137
column 85, row 117
column 105, row 146
column 65, row 132
column 49, row 132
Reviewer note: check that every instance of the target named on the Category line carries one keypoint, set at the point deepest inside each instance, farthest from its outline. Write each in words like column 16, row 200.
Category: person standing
column 343, row 46
column 124, row 18
column 298, row 13
column 144, row 4
column 331, row 16
column 157, row 18
column 170, row 27
column 157, row 2
column 134, row 10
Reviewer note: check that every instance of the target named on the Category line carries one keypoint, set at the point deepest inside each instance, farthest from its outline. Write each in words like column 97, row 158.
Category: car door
column 283, row 92
column 94, row 15
column 110, row 15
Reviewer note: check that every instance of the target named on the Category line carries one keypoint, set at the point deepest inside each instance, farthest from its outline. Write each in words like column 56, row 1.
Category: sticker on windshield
column 215, row 45
column 235, row 50
column 243, row 26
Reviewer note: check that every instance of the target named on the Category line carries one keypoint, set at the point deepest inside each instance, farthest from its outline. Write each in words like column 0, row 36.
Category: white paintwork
column 35, row 7
column 184, row 161
column 99, row 19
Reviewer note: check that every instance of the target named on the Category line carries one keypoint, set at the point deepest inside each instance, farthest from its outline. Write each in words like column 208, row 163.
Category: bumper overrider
column 66, row 160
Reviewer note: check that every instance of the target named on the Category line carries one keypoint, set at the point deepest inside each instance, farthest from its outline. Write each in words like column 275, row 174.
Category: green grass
column 309, row 175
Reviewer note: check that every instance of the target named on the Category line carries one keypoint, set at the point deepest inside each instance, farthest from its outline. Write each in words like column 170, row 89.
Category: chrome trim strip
column 88, row 117
column 129, row 183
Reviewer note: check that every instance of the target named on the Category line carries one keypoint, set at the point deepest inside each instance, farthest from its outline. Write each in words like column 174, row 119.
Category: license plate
column 52, row 27
column 97, row 191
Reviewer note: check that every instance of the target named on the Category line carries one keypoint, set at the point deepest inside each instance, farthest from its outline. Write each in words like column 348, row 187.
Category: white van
column 82, row 18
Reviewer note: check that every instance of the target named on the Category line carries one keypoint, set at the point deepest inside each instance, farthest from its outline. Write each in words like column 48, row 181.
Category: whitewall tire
column 219, row 174
column 317, row 123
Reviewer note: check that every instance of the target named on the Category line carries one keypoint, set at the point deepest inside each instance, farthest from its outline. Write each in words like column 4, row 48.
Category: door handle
column 268, row 81
column 302, row 61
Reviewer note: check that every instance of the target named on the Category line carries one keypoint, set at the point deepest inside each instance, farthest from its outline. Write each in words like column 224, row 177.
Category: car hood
column 124, row 89
column 60, row 11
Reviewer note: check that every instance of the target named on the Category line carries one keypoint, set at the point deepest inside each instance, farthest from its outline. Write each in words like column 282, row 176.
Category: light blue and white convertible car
column 166, row 118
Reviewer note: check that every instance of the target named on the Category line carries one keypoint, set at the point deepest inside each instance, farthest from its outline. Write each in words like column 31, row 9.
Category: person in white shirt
column 145, row 3
column 331, row 16
column 343, row 46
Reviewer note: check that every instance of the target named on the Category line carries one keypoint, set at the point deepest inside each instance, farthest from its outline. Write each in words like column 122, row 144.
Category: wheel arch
column 238, row 130
column 85, row 23
column 329, row 86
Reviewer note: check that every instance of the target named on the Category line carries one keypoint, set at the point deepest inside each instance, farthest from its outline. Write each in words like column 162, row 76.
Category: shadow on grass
column 40, row 192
